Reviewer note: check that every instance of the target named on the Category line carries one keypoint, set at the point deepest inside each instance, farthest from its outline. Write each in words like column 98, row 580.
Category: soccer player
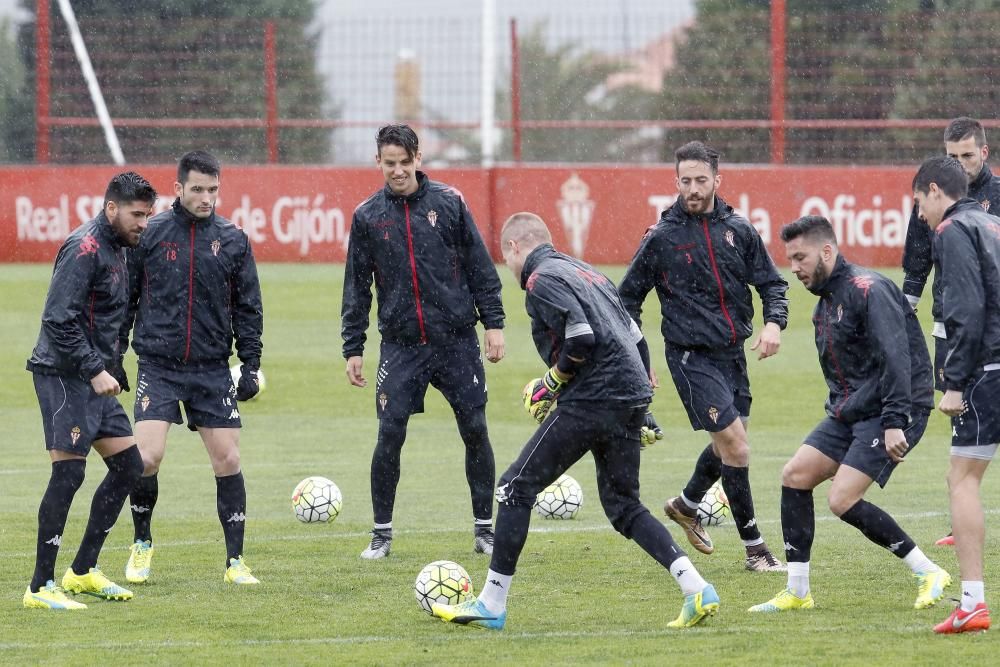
column 600, row 379
column 878, row 371
column 967, row 263
column 72, row 366
column 195, row 291
column 416, row 239
column 964, row 140
column 702, row 257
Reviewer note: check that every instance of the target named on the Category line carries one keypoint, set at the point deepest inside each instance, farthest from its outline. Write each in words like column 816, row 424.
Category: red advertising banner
column 303, row 214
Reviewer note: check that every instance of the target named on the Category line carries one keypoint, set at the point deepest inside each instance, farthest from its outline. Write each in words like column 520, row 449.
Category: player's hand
column 541, row 394
column 493, row 342
column 952, row 403
column 105, row 384
column 249, row 384
column 118, row 373
column 654, row 381
column 895, row 444
column 354, row 375
column 768, row 342
column 650, row 431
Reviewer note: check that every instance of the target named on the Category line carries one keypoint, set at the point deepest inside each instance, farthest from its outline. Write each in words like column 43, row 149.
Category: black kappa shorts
column 979, row 425
column 715, row 391
column 74, row 416
column 454, row 368
column 861, row 445
column 208, row 396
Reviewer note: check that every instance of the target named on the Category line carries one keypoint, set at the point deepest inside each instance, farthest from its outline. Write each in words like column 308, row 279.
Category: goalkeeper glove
column 540, row 395
column 249, row 383
column 650, row 431
column 118, row 373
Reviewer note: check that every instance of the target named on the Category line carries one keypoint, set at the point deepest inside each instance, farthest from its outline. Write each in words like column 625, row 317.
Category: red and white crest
column 985, row 204
column 216, row 245
column 144, row 402
column 840, row 312
column 576, row 210
column 74, row 434
column 432, row 217
column 730, row 238
column 383, row 400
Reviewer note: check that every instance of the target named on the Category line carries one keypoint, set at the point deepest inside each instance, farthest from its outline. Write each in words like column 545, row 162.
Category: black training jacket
column 194, row 290
column 433, row 274
column 967, row 259
column 565, row 298
column 871, row 349
column 85, row 306
column 917, row 260
column 702, row 268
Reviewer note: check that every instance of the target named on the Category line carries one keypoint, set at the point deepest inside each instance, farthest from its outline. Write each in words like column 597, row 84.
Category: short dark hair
column 944, row 170
column 699, row 152
column 813, row 227
column 129, row 186
column 200, row 161
column 964, row 127
column 398, row 134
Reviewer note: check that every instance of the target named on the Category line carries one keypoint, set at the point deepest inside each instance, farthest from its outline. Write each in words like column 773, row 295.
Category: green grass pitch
column 582, row 594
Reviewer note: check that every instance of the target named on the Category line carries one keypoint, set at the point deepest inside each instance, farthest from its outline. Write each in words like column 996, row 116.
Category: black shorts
column 208, row 395
column 74, row 416
column 454, row 368
column 861, row 445
column 979, row 425
column 569, row 432
column 714, row 391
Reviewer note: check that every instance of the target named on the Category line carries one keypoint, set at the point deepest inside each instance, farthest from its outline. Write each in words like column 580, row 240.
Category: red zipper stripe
column 187, row 347
column 413, row 269
column 718, row 280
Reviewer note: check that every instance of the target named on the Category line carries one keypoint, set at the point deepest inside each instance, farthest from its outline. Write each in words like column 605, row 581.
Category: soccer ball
column 561, row 499
column 444, row 582
column 316, row 499
column 714, row 507
column 235, row 372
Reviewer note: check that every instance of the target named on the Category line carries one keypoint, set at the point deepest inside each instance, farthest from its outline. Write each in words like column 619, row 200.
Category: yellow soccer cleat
column 139, row 560
column 930, row 588
column 784, row 601
column 472, row 613
column 50, row 596
column 94, row 583
column 696, row 607
column 239, row 573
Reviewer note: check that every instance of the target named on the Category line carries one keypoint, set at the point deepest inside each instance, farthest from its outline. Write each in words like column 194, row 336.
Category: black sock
column 511, row 534
column 143, row 500
column 480, row 468
column 736, row 484
column 655, row 539
column 706, row 471
column 124, row 469
column 231, row 501
column 876, row 524
column 798, row 523
column 385, row 467
column 64, row 481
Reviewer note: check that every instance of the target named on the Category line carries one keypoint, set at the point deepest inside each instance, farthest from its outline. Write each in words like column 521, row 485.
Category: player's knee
column 839, row 503
column 472, row 427
column 72, row 473
column 127, row 465
column 513, row 494
column 795, row 477
column 227, row 462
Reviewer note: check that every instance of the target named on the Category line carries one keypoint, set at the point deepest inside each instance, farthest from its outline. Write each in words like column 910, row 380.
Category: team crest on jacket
column 713, row 414
column 730, row 238
column 840, row 312
column 74, row 434
column 432, row 217
column 88, row 246
column 985, row 204
column 216, row 244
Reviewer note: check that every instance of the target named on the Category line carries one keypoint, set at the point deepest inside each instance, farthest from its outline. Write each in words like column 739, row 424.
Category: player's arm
column 641, row 275
column 964, row 303
column 773, row 290
column 917, row 258
column 248, row 322
column 481, row 272
column 886, row 319
column 357, row 302
column 69, row 290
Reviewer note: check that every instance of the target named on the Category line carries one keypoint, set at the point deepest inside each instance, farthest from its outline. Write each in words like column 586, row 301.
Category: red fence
column 302, row 214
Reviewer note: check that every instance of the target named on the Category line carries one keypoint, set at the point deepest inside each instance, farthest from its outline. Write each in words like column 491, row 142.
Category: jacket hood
column 532, row 261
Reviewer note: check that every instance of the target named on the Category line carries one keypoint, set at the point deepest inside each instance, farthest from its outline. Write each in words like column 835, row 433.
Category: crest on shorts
column 432, row 217
column 713, row 414
column 216, row 244
column 144, row 402
column 74, row 434
column 383, row 400
column 730, row 238
column 941, row 374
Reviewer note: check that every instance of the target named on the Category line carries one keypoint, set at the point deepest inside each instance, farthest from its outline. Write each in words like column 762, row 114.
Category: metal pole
column 778, row 23
column 487, row 133
column 271, row 91
column 42, row 83
column 515, row 90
